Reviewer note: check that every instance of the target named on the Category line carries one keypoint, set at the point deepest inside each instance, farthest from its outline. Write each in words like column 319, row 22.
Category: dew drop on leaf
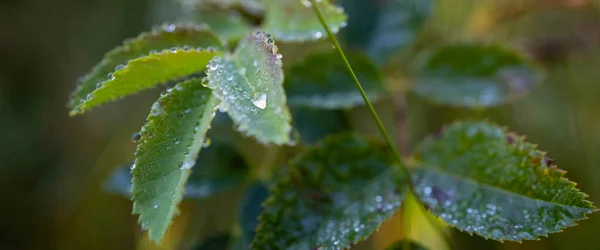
column 135, row 137
column 260, row 101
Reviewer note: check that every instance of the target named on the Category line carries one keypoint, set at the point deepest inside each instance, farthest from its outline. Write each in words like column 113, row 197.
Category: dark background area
column 52, row 167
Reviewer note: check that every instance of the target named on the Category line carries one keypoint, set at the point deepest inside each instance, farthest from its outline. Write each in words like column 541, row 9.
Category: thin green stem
column 374, row 114
column 336, row 44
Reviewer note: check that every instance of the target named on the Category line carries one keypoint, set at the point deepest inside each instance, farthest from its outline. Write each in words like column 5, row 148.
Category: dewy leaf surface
column 322, row 81
column 161, row 38
column 472, row 75
column 295, row 21
column 167, row 150
column 218, row 168
column 335, row 194
column 249, row 84
column 145, row 72
column 384, row 28
column 484, row 180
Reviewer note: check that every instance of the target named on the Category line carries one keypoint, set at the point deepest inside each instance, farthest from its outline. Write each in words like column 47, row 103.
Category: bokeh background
column 52, row 167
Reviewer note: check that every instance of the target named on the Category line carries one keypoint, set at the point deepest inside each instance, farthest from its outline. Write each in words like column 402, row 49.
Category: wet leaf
column 292, row 20
column 146, row 72
column 315, row 124
column 167, row 150
column 249, row 85
column 399, row 245
column 249, row 210
column 218, row 168
column 331, row 86
column 470, row 75
column 484, row 180
column 165, row 37
column 384, row 28
column 335, row 195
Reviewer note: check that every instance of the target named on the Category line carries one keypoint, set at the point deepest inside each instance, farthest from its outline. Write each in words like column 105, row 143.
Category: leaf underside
column 291, row 21
column 169, row 144
column 322, row 81
column 384, row 28
column 484, row 180
column 335, row 195
column 165, row 37
column 472, row 75
column 249, row 84
column 218, row 168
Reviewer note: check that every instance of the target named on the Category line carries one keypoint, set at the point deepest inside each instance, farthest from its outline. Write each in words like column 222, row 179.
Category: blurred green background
column 52, row 167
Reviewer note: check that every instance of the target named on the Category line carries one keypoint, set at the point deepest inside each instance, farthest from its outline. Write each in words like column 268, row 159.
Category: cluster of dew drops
column 319, row 34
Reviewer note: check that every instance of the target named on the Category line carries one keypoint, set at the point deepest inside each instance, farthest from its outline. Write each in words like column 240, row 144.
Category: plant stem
column 374, row 114
column 336, row 44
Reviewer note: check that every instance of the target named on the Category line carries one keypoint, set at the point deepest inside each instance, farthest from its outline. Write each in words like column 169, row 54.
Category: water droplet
column 155, row 206
column 99, row 85
column 213, row 66
column 173, row 50
column 135, row 137
column 204, row 82
column 156, row 109
column 306, row 3
column 111, row 77
column 229, row 77
column 279, row 56
column 255, row 63
column 132, row 167
column 378, row 199
column 119, row 67
column 176, row 142
column 318, row 34
column 260, row 101
column 207, row 143
column 242, row 71
column 90, row 96
column 186, row 165
column 169, row 27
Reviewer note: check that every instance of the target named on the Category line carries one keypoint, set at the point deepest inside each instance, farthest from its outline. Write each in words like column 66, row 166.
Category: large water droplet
column 156, row 109
column 132, row 167
column 260, row 101
column 135, row 137
column 318, row 34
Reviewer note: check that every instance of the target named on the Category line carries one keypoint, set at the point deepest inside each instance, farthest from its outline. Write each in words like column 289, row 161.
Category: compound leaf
column 295, row 21
column 470, row 75
column 322, row 81
column 335, row 194
column 167, row 36
column 167, row 150
column 485, row 180
column 384, row 28
column 249, row 84
column 218, row 168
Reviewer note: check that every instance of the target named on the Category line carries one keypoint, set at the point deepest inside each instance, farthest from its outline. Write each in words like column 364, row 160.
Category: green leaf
column 249, row 210
column 335, row 195
column 292, row 20
column 228, row 24
column 146, row 72
column 249, row 85
column 384, row 28
column 167, row 150
column 470, row 75
column 484, row 180
column 217, row 169
column 400, row 245
column 322, row 81
column 165, row 37
column 315, row 124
